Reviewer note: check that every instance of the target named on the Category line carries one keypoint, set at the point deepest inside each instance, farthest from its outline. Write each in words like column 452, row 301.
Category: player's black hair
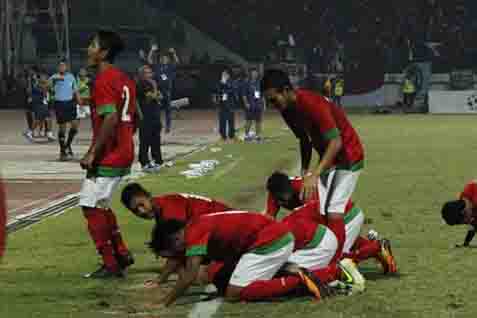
column 274, row 78
column 112, row 42
column 279, row 183
column 130, row 191
column 161, row 235
column 452, row 212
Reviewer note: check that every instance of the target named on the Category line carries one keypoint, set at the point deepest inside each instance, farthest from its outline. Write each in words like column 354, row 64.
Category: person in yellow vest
column 327, row 87
column 339, row 91
column 84, row 92
column 408, row 93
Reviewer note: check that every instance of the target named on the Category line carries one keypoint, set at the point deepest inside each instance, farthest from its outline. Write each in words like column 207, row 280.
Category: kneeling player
column 463, row 211
column 284, row 191
column 175, row 206
column 258, row 246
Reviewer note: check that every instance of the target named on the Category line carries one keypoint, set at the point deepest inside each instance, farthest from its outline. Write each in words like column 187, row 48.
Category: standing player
column 284, row 191
column 321, row 125
column 111, row 153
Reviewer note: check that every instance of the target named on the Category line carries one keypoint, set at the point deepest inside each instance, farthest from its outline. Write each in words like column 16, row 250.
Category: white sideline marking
column 206, row 309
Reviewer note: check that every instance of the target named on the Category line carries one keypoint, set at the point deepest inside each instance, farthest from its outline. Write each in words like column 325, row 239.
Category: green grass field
column 414, row 163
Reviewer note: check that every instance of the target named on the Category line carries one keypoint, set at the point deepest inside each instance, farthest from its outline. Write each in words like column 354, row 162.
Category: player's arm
column 186, row 280
column 306, row 148
column 172, row 266
column 469, row 237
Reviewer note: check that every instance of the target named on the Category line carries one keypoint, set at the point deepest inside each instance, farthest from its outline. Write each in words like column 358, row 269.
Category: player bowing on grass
column 284, row 191
column 463, row 211
column 321, row 125
column 111, row 153
column 174, row 206
column 257, row 246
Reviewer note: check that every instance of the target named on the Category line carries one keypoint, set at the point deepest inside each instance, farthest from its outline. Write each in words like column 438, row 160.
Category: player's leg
column 74, row 125
column 231, row 123
column 338, row 189
column 259, row 124
column 167, row 111
column 121, row 251
column 319, row 252
column 222, row 123
column 61, row 121
column 95, row 195
column 252, row 278
column 29, row 117
column 156, row 151
column 144, row 145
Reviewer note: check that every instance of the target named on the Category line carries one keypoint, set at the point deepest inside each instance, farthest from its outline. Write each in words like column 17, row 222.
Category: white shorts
column 98, row 192
column 353, row 222
column 83, row 111
column 341, row 185
column 318, row 253
column 253, row 267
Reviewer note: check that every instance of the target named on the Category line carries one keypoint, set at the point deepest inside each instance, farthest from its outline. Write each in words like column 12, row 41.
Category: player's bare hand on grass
column 151, row 283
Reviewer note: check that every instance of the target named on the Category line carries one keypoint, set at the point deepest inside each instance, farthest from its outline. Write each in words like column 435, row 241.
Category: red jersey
column 297, row 184
column 304, row 222
column 316, row 119
column 470, row 193
column 114, row 91
column 184, row 207
column 227, row 236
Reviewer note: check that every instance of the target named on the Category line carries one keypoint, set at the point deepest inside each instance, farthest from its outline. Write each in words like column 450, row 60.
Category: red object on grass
column 3, row 219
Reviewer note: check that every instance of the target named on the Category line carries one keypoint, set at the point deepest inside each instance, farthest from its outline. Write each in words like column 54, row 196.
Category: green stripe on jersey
column 106, row 109
column 198, row 250
column 317, row 238
column 352, row 214
column 103, row 171
column 274, row 245
column 331, row 134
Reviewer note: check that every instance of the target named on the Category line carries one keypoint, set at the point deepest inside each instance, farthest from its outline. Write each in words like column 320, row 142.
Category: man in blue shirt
column 254, row 105
column 65, row 91
column 165, row 74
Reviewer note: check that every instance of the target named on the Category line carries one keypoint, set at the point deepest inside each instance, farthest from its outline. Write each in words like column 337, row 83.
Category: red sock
column 338, row 227
column 365, row 249
column 99, row 230
column 264, row 289
column 328, row 274
column 118, row 243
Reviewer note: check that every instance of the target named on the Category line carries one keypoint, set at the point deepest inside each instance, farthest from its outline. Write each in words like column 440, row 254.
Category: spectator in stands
column 165, row 74
column 254, row 105
column 65, row 91
column 226, row 99
column 149, row 96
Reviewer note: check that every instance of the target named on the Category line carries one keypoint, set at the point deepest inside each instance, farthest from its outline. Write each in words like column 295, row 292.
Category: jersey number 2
column 127, row 98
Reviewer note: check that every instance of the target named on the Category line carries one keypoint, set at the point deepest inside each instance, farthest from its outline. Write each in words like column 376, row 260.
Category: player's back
column 234, row 232
column 114, row 91
column 185, row 207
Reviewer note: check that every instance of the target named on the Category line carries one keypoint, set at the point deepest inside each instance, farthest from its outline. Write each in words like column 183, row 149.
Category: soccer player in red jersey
column 463, row 211
column 174, row 206
column 111, row 154
column 257, row 246
column 321, row 125
column 283, row 191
